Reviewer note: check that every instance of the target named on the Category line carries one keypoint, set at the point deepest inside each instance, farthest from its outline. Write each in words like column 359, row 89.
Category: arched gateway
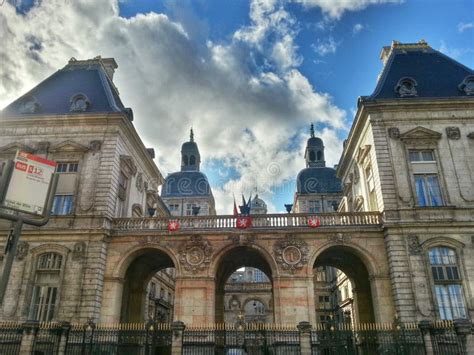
column 204, row 262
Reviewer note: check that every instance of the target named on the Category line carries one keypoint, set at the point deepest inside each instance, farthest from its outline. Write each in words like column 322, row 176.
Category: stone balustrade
column 267, row 221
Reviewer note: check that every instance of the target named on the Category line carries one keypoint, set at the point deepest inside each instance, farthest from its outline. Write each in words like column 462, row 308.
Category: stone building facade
column 402, row 235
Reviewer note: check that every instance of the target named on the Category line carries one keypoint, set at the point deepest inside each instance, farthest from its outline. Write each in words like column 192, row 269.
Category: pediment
column 420, row 133
column 13, row 147
column 68, row 146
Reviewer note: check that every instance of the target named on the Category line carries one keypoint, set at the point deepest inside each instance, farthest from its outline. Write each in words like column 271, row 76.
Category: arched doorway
column 148, row 290
column 244, row 286
column 342, row 287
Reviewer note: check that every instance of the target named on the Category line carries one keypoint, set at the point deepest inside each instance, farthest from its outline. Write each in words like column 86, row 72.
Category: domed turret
column 258, row 206
column 190, row 157
column 314, row 154
column 317, row 187
column 188, row 188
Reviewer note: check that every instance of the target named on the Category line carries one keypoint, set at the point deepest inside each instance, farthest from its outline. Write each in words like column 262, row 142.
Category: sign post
column 28, row 185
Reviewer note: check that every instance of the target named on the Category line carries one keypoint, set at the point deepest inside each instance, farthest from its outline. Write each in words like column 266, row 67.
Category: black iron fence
column 367, row 338
column 236, row 339
column 438, row 338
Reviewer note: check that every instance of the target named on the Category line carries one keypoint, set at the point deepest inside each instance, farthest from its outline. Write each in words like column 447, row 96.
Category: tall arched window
column 46, row 286
column 185, row 160
column 192, row 160
column 447, row 282
column 312, row 156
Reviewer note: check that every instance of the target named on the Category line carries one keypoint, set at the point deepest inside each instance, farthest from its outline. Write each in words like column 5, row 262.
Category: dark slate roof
column 435, row 74
column 318, row 180
column 78, row 77
column 186, row 184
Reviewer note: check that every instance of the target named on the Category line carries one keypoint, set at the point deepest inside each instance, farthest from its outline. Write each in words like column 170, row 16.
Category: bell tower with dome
column 318, row 190
column 187, row 192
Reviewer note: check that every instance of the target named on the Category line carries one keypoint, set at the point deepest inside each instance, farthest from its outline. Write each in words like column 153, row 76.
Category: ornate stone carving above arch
column 196, row 254
column 291, row 253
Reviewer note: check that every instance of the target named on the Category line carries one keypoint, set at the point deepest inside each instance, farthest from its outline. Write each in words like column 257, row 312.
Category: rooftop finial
column 191, row 135
column 311, row 130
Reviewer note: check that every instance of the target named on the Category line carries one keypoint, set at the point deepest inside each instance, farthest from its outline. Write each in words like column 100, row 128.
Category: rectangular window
column 67, row 167
column 428, row 191
column 62, row 205
column 189, row 209
column 314, row 206
column 450, row 301
column 421, row 156
column 44, row 303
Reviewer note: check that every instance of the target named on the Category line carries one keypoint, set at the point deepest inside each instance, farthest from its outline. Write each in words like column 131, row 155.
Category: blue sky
column 249, row 76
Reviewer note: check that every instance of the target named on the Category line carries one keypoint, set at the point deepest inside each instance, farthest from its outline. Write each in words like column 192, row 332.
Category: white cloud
column 335, row 8
column 465, row 26
column 243, row 113
column 452, row 52
column 326, row 46
column 357, row 28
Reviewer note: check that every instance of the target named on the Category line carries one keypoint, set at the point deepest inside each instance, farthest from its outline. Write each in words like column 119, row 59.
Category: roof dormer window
column 406, row 87
column 79, row 103
column 29, row 105
column 467, row 85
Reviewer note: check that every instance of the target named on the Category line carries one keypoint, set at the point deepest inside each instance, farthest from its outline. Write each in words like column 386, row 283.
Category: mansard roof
column 430, row 73
column 87, row 80
column 186, row 184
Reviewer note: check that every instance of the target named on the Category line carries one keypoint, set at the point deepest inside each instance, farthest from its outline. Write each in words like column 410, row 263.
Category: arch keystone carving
column 196, row 254
column 291, row 254
column 339, row 238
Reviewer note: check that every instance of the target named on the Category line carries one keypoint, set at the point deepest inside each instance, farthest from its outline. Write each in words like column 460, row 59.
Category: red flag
column 173, row 225
column 314, row 222
column 236, row 212
column 244, row 222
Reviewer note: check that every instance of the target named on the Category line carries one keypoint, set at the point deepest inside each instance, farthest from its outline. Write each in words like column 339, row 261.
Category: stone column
column 112, row 300
column 30, row 329
column 463, row 328
column 194, row 300
column 425, row 327
column 305, row 337
column 63, row 336
column 294, row 299
column 177, row 329
column 382, row 300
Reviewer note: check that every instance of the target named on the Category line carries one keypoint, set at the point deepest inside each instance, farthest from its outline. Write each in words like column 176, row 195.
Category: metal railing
column 266, row 221
column 10, row 337
column 367, row 338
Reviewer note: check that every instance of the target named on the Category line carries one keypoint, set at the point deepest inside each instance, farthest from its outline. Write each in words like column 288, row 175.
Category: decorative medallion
column 22, row 250
column 79, row 251
column 394, row 132
column 339, row 238
column 196, row 254
column 95, row 145
column 453, row 133
column 291, row 253
column 414, row 246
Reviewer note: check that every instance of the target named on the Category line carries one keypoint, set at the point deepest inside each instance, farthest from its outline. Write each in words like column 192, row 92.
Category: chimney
column 109, row 65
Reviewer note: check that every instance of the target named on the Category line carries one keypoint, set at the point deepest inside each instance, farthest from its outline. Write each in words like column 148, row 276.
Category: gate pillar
column 194, row 299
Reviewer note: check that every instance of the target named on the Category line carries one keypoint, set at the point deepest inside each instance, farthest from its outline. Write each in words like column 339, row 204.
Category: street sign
column 29, row 183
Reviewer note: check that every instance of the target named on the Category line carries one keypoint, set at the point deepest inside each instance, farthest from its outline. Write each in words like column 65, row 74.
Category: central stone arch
column 232, row 259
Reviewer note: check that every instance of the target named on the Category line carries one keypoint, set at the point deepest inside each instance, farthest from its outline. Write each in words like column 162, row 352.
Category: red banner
column 173, row 226
column 314, row 222
column 244, row 222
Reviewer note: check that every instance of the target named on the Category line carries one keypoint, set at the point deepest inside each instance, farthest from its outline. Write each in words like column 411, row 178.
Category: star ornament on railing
column 173, row 225
column 314, row 222
column 244, row 222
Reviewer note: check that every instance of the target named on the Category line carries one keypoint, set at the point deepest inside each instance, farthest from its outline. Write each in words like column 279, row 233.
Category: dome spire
column 191, row 135
column 311, row 130
column 190, row 157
